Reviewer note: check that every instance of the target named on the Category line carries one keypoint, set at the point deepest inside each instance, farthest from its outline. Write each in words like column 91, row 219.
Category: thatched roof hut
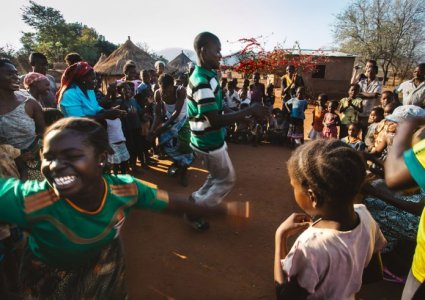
column 180, row 63
column 101, row 59
column 114, row 63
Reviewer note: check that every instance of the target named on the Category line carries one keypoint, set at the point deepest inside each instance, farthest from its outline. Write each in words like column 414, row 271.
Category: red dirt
column 166, row 259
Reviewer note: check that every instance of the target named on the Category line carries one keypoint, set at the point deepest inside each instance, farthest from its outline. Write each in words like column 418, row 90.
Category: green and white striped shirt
column 205, row 95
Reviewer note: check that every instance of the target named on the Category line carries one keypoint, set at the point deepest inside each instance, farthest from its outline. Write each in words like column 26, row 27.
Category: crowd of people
column 69, row 155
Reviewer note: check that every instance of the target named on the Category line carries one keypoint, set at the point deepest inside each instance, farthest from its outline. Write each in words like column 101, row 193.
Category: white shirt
column 115, row 133
column 414, row 95
column 374, row 86
column 328, row 263
column 233, row 99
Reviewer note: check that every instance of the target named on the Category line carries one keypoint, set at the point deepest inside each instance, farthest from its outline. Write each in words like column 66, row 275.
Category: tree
column 145, row 47
column 54, row 37
column 391, row 32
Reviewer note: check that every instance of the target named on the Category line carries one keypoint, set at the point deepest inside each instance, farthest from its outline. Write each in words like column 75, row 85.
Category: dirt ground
column 166, row 259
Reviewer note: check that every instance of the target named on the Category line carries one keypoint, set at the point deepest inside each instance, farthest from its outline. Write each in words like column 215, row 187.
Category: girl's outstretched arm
column 178, row 203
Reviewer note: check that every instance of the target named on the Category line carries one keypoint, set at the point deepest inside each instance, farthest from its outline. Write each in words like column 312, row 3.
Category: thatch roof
column 180, row 63
column 114, row 63
column 101, row 59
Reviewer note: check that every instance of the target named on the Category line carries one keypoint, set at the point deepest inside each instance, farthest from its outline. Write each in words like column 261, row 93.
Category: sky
column 170, row 23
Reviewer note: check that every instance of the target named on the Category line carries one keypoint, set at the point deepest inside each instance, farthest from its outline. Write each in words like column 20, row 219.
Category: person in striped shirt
column 207, row 123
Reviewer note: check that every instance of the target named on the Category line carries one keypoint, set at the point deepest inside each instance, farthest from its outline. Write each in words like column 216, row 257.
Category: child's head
column 389, row 108
column 279, row 117
column 353, row 130
column 332, row 106
column 159, row 67
column 51, row 115
column 126, row 89
column 256, row 77
column 323, row 98
column 244, row 93
column 166, row 86
column 223, row 82
column 376, row 115
column 39, row 63
column 324, row 174
column 353, row 91
column 153, row 76
column 387, row 97
column 290, row 70
column 72, row 58
column 230, row 86
column 300, row 94
column 145, row 76
column 74, row 153
column 130, row 70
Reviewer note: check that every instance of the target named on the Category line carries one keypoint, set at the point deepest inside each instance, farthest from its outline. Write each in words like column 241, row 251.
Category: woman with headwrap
column 38, row 85
column 76, row 96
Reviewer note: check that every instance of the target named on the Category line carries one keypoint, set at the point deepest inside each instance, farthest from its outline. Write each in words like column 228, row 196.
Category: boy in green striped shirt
column 207, row 123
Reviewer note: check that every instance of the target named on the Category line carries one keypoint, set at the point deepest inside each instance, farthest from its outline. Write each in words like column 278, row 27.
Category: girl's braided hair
column 333, row 170
column 95, row 134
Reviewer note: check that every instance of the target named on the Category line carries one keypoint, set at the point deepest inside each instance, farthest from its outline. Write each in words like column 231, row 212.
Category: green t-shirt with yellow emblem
column 62, row 234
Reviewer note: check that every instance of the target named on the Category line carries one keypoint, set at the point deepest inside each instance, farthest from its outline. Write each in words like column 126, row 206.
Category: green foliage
column 391, row 32
column 54, row 37
column 7, row 52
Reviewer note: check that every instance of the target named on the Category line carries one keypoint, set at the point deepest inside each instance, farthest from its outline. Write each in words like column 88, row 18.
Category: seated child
column 244, row 97
column 318, row 115
column 278, row 128
column 349, row 109
column 331, row 121
column 340, row 249
column 242, row 133
column 231, row 98
column 352, row 139
column 375, row 117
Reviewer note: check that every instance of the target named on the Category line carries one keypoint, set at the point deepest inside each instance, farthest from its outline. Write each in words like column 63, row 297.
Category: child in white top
column 119, row 159
column 232, row 99
column 328, row 259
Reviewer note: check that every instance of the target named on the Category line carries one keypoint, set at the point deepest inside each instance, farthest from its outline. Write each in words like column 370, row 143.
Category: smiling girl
column 21, row 119
column 74, row 216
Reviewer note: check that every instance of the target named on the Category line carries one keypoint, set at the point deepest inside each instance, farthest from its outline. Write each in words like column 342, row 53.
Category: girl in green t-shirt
column 74, row 217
